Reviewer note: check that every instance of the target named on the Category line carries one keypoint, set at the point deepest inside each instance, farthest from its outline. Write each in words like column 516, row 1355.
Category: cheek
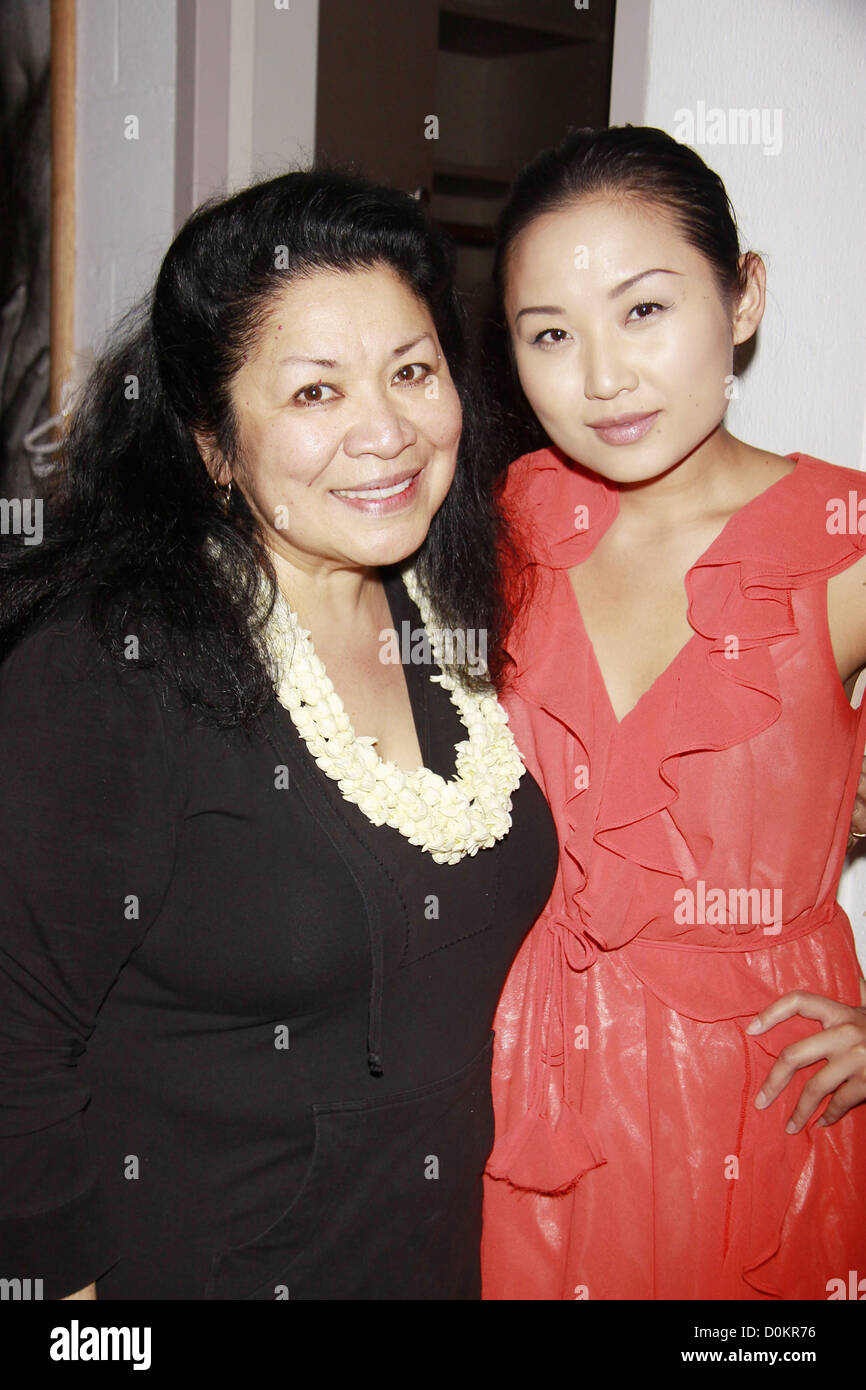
column 700, row 359
column 296, row 449
column 543, row 382
column 445, row 423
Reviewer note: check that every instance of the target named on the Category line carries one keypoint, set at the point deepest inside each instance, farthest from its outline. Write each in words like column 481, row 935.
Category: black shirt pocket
column 390, row 1207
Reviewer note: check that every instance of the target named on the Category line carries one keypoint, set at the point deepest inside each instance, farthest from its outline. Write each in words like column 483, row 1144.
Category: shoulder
column 61, row 653
column 556, row 509
column 832, row 482
column 94, row 783
column 822, row 469
column 811, row 521
column 63, row 698
column 830, row 502
column 51, row 639
column 534, row 473
column 833, row 513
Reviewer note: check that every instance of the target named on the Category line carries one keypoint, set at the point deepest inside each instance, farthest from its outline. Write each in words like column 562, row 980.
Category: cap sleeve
column 87, row 836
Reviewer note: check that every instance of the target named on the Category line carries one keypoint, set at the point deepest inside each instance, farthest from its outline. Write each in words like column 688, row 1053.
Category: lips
column 380, row 487
column 624, row 429
column 382, row 495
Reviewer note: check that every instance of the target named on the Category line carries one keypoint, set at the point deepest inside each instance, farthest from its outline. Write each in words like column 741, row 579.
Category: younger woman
column 681, row 690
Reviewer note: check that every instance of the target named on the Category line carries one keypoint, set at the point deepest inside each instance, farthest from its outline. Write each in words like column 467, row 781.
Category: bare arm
column 858, row 818
column 846, row 605
column 89, row 1292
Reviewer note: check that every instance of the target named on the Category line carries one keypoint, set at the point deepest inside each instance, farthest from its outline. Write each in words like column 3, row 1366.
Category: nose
column 606, row 369
column 379, row 428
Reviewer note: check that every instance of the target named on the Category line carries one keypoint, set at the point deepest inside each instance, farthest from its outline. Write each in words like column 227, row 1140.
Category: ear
column 749, row 309
column 212, row 459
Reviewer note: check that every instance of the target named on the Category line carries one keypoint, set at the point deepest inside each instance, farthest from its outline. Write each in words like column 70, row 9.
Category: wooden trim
column 62, row 195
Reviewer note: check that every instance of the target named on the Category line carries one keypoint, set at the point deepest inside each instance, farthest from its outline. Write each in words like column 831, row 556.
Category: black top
column 206, row 955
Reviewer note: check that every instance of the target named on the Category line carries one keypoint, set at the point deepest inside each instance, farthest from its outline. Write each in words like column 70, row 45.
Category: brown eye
column 313, row 394
column 413, row 372
column 646, row 309
column 548, row 336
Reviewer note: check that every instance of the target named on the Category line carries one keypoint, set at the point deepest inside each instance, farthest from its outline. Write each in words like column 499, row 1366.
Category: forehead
column 596, row 240
column 345, row 306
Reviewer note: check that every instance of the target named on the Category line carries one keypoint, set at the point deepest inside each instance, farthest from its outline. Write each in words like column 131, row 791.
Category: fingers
column 816, row 1006
column 852, row 1093
column 844, row 1048
column 832, row 1080
column 789, row 1061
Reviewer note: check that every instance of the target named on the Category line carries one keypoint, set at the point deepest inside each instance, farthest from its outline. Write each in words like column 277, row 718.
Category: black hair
column 133, row 513
column 630, row 162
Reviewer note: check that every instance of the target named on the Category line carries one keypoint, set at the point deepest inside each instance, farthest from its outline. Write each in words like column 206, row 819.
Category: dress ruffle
column 739, row 591
column 625, row 852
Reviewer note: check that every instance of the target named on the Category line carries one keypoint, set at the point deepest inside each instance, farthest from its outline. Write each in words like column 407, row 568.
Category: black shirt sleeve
column 88, row 813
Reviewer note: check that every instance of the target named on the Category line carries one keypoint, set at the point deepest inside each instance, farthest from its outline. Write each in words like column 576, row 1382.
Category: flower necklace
column 448, row 819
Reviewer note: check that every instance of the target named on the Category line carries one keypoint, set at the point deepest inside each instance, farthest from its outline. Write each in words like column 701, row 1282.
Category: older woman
column 255, row 923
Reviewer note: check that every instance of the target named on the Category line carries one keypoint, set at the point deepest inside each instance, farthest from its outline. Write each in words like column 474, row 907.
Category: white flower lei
column 448, row 819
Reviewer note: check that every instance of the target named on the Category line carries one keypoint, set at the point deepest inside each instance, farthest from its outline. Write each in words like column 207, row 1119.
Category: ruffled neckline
column 704, row 700
column 563, row 524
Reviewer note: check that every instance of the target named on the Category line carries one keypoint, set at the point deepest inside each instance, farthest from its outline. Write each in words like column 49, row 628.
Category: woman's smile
column 384, row 495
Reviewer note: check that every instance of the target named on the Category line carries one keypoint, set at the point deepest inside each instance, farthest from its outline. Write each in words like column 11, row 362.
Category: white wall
column 285, row 47
column 803, row 208
column 249, row 90
column 124, row 187
column 272, row 96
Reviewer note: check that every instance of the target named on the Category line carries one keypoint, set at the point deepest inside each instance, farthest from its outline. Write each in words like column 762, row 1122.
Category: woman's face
column 622, row 340
column 348, row 422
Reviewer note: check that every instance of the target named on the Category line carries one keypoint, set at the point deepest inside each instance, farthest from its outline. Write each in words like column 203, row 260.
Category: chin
column 393, row 549
column 626, row 472
column 622, row 465
column 634, row 463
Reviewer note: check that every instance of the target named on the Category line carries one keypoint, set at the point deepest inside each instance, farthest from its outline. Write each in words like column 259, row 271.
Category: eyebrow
column 633, row 279
column 539, row 309
column 611, row 294
column 331, row 363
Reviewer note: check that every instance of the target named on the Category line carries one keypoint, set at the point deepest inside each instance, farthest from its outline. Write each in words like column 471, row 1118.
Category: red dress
column 630, row 1161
